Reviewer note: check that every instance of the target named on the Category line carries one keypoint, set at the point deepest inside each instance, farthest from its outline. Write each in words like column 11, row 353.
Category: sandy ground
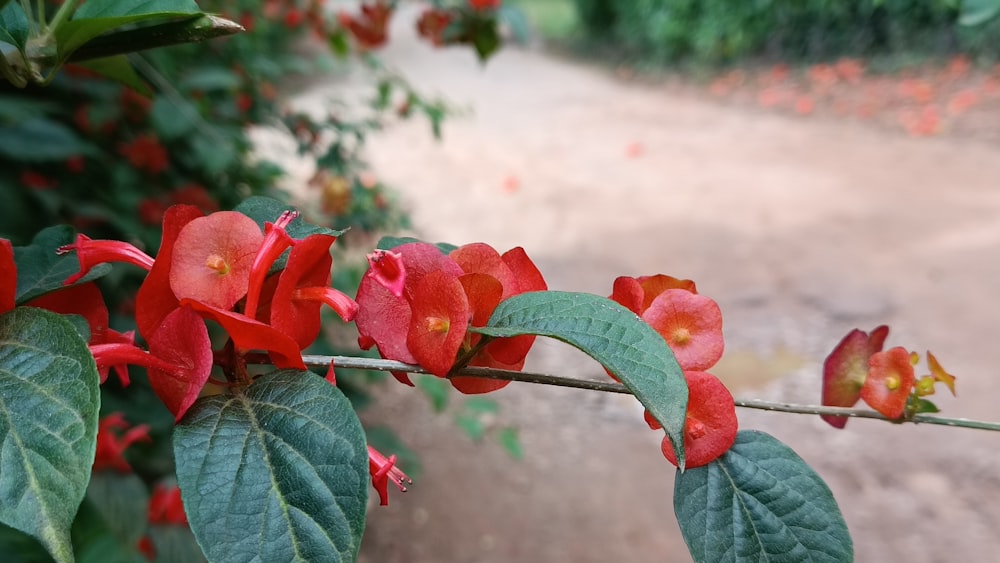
column 801, row 229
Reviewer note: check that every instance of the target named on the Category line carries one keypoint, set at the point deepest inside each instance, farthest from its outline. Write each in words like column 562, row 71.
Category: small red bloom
column 75, row 164
column 166, row 506
column 36, row 181
column 145, row 153
column 293, row 18
column 432, row 24
column 371, row 28
column 485, row 4
column 196, row 195
column 890, row 379
column 112, row 442
column 383, row 470
column 711, row 424
column 135, row 106
column 846, row 368
column 151, row 212
column 387, row 269
column 244, row 102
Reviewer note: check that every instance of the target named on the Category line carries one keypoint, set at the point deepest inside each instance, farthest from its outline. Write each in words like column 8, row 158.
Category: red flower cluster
column 691, row 324
column 217, row 267
column 145, row 153
column 859, row 369
column 416, row 305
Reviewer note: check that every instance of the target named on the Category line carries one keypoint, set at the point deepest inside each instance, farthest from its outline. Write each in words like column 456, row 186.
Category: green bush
column 721, row 31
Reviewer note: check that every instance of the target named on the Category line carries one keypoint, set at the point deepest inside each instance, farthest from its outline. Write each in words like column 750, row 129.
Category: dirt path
column 800, row 229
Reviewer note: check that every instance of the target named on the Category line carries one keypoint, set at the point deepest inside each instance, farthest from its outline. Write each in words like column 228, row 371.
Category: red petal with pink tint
column 388, row 270
column 182, row 340
column 85, row 300
column 628, row 293
column 846, row 368
column 248, row 334
column 309, row 264
column 711, row 425
column 155, row 298
column 8, row 276
column 384, row 318
column 440, row 319
column 692, row 326
column 889, row 382
column 212, row 259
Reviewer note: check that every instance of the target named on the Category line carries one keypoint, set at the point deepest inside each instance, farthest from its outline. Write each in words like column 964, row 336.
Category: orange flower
column 890, row 379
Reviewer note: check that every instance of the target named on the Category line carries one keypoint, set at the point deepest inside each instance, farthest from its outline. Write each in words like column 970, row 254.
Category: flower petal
column 249, row 334
column 309, row 264
column 711, row 425
column 439, row 322
column 940, row 374
column 8, row 276
column 213, row 256
column 182, row 340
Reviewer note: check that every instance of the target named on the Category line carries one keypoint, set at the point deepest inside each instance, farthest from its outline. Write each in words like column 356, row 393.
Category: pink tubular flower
column 90, row 253
column 383, row 470
column 112, row 442
column 388, row 270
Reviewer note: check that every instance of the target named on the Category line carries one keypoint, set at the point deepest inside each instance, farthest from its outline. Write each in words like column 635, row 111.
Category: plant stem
column 352, row 362
column 62, row 14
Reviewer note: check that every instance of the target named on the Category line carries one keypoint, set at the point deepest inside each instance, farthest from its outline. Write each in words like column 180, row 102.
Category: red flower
column 371, row 28
column 637, row 294
column 112, row 442
column 846, row 368
column 383, row 470
column 485, row 4
column 36, row 181
column 145, row 153
column 890, row 379
column 692, row 326
column 75, row 164
column 151, row 212
column 432, row 24
column 293, row 18
column 711, row 424
column 135, row 106
column 166, row 506
column 196, row 195
column 428, row 322
column 90, row 253
column 243, row 102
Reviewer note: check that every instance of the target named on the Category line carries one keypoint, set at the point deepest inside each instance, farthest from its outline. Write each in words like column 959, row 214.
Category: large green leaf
column 97, row 17
column 173, row 30
column 40, row 270
column 117, row 8
column 49, row 402
column 118, row 68
column 612, row 335
column 976, row 12
column 760, row 502
column 14, row 25
column 39, row 139
column 277, row 472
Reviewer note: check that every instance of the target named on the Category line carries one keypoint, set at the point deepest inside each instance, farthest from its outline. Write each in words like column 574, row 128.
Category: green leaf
column 277, row 472
column 509, row 440
column 122, row 502
column 40, row 270
column 175, row 544
column 471, row 425
column 209, row 79
column 760, row 502
column 118, row 68
column 388, row 243
column 172, row 118
column 74, row 34
column 436, row 389
column 179, row 28
column 94, row 542
column 20, row 108
column 977, row 12
column 14, row 25
column 116, row 8
column 481, row 405
column 41, row 140
column 611, row 334
column 265, row 209
column 49, row 402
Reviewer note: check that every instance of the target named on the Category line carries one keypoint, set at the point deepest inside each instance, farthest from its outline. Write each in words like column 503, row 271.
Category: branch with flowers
column 271, row 460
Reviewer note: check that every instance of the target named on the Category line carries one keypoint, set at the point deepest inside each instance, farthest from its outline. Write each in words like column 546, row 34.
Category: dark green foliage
column 721, row 31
